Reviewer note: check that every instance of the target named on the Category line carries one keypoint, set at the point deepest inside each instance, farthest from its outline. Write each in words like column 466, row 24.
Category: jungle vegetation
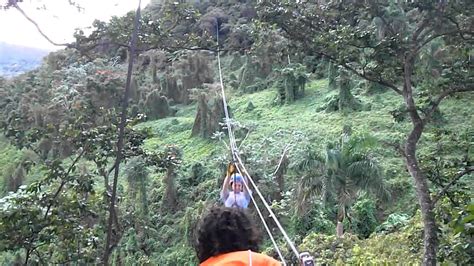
column 355, row 119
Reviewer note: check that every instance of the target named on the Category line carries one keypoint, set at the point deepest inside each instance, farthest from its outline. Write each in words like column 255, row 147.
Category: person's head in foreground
column 228, row 236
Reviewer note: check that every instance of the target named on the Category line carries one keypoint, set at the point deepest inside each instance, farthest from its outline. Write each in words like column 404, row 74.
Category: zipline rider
column 234, row 193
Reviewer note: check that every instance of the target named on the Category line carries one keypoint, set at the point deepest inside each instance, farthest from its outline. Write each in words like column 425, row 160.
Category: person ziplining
column 234, row 193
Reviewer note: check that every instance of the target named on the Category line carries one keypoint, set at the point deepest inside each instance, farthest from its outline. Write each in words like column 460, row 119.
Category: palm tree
column 345, row 170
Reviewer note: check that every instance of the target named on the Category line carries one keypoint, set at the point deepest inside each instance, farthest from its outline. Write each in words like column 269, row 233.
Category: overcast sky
column 58, row 20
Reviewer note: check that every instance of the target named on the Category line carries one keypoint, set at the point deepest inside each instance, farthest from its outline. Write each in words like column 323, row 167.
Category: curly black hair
column 223, row 230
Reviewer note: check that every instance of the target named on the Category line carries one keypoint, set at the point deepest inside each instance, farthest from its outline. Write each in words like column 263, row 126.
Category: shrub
column 315, row 220
column 363, row 214
column 393, row 222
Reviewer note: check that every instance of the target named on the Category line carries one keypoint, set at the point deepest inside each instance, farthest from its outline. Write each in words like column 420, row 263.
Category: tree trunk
column 280, row 176
column 302, row 83
column 289, row 88
column 243, row 74
column 341, row 213
column 200, row 126
column 144, row 197
column 216, row 116
column 154, row 69
column 332, row 75
column 170, row 191
column 339, row 229
column 346, row 99
column 27, row 257
column 429, row 223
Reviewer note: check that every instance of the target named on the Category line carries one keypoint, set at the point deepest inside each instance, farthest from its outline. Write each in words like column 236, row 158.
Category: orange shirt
column 241, row 258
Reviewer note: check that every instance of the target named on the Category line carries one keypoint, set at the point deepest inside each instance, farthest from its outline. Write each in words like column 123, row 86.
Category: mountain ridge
column 17, row 59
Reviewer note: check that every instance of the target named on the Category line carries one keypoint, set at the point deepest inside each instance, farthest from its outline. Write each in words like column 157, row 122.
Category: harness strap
column 235, row 195
column 250, row 257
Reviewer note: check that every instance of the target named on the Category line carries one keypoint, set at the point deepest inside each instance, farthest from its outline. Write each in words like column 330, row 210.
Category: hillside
column 315, row 128
column 355, row 122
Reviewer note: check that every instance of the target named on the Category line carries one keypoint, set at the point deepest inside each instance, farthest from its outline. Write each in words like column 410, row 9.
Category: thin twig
column 63, row 182
column 442, row 96
column 453, row 181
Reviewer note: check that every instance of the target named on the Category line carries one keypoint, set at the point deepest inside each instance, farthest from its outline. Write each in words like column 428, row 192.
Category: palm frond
column 367, row 175
column 359, row 143
column 308, row 187
column 310, row 162
column 311, row 187
column 345, row 170
column 363, row 172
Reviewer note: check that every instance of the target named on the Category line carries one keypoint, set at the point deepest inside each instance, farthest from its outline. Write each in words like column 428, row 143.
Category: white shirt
column 240, row 200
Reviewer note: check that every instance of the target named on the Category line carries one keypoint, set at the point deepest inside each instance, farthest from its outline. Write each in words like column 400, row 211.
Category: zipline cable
column 272, row 214
column 232, row 143
column 237, row 159
column 233, row 146
column 263, row 220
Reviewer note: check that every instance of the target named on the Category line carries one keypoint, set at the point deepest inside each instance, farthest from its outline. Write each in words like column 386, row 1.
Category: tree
column 171, row 158
column 346, row 100
column 60, row 210
column 292, row 82
column 137, row 179
column 388, row 52
column 209, row 115
column 340, row 175
column 72, row 114
column 332, row 76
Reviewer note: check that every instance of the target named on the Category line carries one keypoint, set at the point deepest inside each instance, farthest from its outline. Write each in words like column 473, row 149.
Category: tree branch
column 287, row 147
column 396, row 146
column 363, row 75
column 82, row 50
column 442, row 96
column 63, row 182
column 420, row 29
column 458, row 27
column 88, row 48
column 453, row 181
column 174, row 48
column 38, row 28
column 432, row 37
column 302, row 38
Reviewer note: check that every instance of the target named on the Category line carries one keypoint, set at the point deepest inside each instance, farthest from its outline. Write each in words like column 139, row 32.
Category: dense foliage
column 326, row 110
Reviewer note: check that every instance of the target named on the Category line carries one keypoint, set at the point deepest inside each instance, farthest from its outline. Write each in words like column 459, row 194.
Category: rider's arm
column 225, row 190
